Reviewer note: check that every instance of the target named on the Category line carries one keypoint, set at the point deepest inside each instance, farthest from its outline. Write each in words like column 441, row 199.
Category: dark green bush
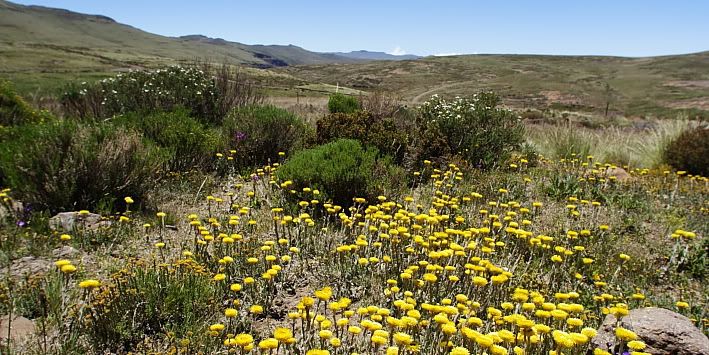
column 690, row 151
column 208, row 93
column 259, row 133
column 474, row 128
column 14, row 110
column 62, row 165
column 341, row 103
column 189, row 143
column 365, row 127
column 342, row 170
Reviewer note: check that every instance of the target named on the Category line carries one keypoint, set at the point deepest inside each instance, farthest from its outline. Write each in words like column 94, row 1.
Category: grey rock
column 64, row 252
column 70, row 221
column 663, row 331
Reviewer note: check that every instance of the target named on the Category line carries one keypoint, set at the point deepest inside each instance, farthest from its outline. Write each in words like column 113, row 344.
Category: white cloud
column 445, row 54
column 397, row 51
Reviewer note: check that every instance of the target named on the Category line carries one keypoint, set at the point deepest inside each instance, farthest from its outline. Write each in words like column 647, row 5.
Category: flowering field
column 513, row 261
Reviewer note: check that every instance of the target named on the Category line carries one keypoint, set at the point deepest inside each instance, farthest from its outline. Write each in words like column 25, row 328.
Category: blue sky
column 601, row 27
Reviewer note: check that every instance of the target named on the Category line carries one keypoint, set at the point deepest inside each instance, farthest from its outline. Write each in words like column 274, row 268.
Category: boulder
column 663, row 331
column 68, row 221
column 618, row 174
column 21, row 328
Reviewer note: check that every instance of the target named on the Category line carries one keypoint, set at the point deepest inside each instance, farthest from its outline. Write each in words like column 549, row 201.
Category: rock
column 28, row 266
column 10, row 208
column 64, row 252
column 663, row 331
column 68, row 221
column 618, row 174
column 21, row 328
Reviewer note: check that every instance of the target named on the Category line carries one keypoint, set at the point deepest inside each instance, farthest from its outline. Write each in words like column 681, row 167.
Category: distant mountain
column 36, row 38
column 367, row 55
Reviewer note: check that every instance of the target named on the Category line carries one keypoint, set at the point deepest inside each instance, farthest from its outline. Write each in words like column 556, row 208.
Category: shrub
column 365, row 127
column 206, row 97
column 690, row 151
column 148, row 301
column 473, row 128
column 259, row 133
column 342, row 170
column 189, row 143
column 63, row 165
column 340, row 103
column 14, row 110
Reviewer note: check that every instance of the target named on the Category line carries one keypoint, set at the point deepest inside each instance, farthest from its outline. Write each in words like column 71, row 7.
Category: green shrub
column 473, row 128
column 189, row 143
column 207, row 97
column 365, row 127
column 63, row 165
column 340, row 103
column 342, row 170
column 259, row 133
column 690, row 151
column 147, row 302
column 14, row 110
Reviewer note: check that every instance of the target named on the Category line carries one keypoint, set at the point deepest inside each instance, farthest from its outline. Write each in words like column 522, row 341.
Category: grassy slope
column 637, row 85
column 42, row 46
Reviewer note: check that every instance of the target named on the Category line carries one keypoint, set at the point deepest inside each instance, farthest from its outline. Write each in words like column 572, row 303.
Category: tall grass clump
column 475, row 129
column 208, row 98
column 64, row 165
column 258, row 134
column 340, row 171
column 190, row 143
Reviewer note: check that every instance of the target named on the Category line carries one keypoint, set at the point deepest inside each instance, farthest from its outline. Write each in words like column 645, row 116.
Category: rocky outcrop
column 663, row 331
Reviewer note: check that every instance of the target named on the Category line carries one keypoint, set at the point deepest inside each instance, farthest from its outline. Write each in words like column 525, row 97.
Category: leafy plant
column 208, row 98
column 259, row 133
column 64, row 165
column 341, row 170
column 340, row 103
column 14, row 110
column 367, row 128
column 474, row 128
column 690, row 151
column 150, row 301
column 189, row 143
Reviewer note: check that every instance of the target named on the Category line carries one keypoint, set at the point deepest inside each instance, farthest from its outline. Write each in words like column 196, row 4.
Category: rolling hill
column 40, row 44
column 661, row 86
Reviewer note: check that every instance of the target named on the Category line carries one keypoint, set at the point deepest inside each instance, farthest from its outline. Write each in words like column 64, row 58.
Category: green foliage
column 63, row 165
column 342, row 170
column 189, row 143
column 259, row 133
column 14, row 110
column 341, row 103
column 207, row 98
column 562, row 186
column 367, row 128
column 147, row 301
column 473, row 128
column 690, row 151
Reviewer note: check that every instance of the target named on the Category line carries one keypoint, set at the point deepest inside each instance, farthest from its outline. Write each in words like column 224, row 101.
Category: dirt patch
column 697, row 103
column 702, row 84
column 400, row 71
column 559, row 97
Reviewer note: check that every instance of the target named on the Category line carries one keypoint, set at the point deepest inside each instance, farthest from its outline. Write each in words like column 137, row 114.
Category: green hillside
column 45, row 45
column 661, row 86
